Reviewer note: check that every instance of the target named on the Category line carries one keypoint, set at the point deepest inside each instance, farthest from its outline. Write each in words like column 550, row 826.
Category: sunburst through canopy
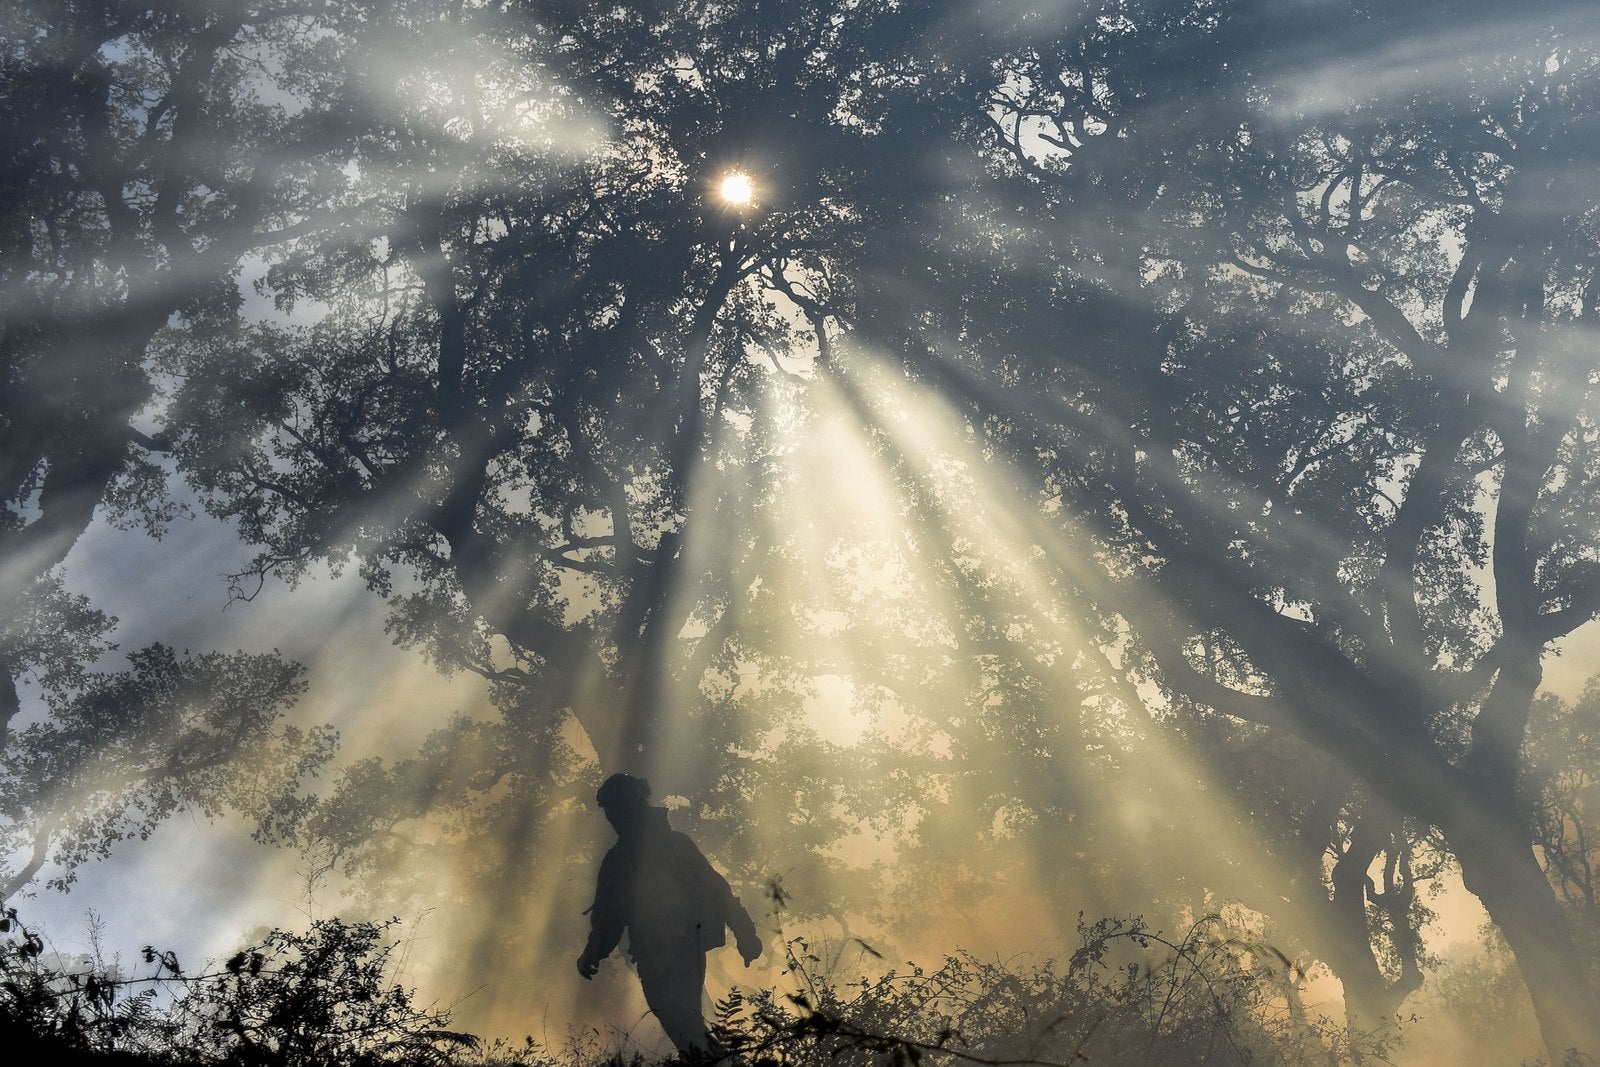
column 737, row 189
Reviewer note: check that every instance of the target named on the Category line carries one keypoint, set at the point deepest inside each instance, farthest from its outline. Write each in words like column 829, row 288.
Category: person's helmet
column 622, row 791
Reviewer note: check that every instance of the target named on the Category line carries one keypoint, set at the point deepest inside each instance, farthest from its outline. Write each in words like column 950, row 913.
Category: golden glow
column 883, row 587
column 737, row 189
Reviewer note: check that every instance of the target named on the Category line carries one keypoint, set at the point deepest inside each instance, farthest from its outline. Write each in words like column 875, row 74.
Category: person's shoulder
column 682, row 842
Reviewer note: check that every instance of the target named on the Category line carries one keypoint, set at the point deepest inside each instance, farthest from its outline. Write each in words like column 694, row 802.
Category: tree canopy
column 1091, row 408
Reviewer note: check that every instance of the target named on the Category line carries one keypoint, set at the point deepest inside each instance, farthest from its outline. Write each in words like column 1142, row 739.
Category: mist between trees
column 1107, row 457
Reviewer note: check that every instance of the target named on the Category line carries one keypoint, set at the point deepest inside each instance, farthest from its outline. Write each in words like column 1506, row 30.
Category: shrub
column 1129, row 995
column 328, row 998
column 319, row 999
column 324, row 998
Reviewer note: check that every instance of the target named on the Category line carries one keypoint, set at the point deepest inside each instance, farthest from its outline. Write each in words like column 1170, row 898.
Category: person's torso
column 663, row 901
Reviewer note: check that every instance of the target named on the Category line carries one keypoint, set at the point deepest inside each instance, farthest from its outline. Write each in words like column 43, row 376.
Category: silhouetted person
column 655, row 884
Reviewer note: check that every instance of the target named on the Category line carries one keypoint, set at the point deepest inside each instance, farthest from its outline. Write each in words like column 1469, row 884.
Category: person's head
column 624, row 800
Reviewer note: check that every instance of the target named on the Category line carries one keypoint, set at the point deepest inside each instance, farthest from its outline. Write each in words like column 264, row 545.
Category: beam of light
column 842, row 576
column 845, row 583
column 1167, row 801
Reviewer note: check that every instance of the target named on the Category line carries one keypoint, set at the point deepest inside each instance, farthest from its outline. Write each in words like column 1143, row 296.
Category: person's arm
column 721, row 896
column 606, row 919
column 744, row 930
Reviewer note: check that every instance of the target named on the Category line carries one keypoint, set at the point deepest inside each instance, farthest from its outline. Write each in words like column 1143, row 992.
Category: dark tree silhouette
column 141, row 162
column 132, row 747
column 529, row 345
column 544, row 314
column 144, row 151
column 1303, row 339
column 1563, row 794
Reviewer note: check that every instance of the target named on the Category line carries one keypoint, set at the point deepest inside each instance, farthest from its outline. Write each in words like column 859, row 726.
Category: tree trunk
column 1371, row 1000
column 10, row 700
column 1499, row 867
column 647, row 626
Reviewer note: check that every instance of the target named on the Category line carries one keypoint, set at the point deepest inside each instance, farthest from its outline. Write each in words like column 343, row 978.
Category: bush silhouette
column 323, row 998
column 1129, row 995
column 329, row 997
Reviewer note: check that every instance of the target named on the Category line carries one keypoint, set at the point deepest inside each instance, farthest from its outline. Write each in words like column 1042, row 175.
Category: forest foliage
column 1136, row 423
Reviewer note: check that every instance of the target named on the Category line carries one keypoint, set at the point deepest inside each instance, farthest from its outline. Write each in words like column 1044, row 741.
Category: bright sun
column 737, row 188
